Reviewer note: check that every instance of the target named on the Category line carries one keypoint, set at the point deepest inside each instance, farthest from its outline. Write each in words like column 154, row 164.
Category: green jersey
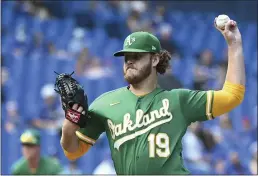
column 47, row 166
column 145, row 133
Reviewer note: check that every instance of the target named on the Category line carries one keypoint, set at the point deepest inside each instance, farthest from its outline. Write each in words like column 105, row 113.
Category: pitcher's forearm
column 236, row 66
column 69, row 140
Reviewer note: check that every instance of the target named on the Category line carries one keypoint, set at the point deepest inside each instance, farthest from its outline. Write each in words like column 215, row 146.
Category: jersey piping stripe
column 85, row 138
column 212, row 97
column 208, row 105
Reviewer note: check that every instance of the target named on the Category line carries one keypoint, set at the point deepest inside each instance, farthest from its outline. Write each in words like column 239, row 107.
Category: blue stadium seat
column 99, row 41
column 187, row 76
column 197, row 39
column 49, row 141
column 176, row 67
column 112, row 45
column 8, row 14
column 52, row 30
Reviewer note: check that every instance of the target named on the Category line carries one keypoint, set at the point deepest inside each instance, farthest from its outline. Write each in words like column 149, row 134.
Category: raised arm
column 233, row 90
column 203, row 105
column 236, row 66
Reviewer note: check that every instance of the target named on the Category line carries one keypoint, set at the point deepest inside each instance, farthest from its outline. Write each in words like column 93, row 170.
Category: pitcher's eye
column 139, row 55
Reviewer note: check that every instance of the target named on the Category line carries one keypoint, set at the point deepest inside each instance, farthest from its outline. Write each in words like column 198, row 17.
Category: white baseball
column 221, row 21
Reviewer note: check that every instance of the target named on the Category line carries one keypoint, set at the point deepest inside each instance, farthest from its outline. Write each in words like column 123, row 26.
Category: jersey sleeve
column 94, row 127
column 196, row 105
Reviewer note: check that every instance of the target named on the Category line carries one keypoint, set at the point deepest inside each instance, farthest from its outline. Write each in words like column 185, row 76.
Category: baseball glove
column 71, row 93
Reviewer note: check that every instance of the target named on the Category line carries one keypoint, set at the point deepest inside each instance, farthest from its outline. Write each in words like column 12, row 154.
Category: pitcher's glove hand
column 71, row 93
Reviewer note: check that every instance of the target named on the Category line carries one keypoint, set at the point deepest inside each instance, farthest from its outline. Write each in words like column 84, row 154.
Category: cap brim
column 29, row 143
column 122, row 52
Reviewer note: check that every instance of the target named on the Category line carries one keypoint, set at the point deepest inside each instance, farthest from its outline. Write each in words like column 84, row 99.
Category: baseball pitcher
column 144, row 123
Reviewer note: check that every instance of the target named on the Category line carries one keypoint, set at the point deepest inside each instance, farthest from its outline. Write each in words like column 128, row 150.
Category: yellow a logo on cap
column 28, row 138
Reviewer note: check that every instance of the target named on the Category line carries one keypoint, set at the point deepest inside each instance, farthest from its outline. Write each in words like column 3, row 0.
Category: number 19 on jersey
column 158, row 145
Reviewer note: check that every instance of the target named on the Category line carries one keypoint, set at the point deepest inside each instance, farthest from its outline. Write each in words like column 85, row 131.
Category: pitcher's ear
column 155, row 60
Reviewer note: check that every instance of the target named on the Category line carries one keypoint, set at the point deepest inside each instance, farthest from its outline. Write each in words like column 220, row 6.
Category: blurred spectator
column 134, row 23
column 37, row 45
column 205, row 71
column 32, row 162
column 225, row 122
column 91, row 67
column 51, row 49
column 38, row 40
column 253, row 162
column 220, row 167
column 19, row 51
column 224, row 132
column 51, row 115
column 194, row 149
column 158, row 17
column 41, row 11
column 222, row 70
column 72, row 168
column 20, row 34
column 96, row 70
column 4, row 79
column 168, row 81
column 83, row 62
column 77, row 42
column 167, row 41
column 57, row 53
column 139, row 6
column 206, row 137
column 106, row 166
column 247, row 132
column 137, row 19
column 235, row 166
column 13, row 120
column 33, row 8
column 26, row 7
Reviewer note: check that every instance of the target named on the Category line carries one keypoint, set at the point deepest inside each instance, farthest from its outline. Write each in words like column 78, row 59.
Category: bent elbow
column 82, row 149
column 236, row 92
column 70, row 156
column 228, row 98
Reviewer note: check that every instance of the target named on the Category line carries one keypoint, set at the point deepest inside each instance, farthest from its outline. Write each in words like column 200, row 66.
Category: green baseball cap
column 31, row 137
column 141, row 42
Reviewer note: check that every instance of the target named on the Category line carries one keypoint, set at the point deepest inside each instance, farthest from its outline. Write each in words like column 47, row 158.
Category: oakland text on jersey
column 150, row 120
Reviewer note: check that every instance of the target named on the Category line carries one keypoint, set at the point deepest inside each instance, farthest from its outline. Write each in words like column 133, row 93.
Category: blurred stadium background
column 39, row 37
